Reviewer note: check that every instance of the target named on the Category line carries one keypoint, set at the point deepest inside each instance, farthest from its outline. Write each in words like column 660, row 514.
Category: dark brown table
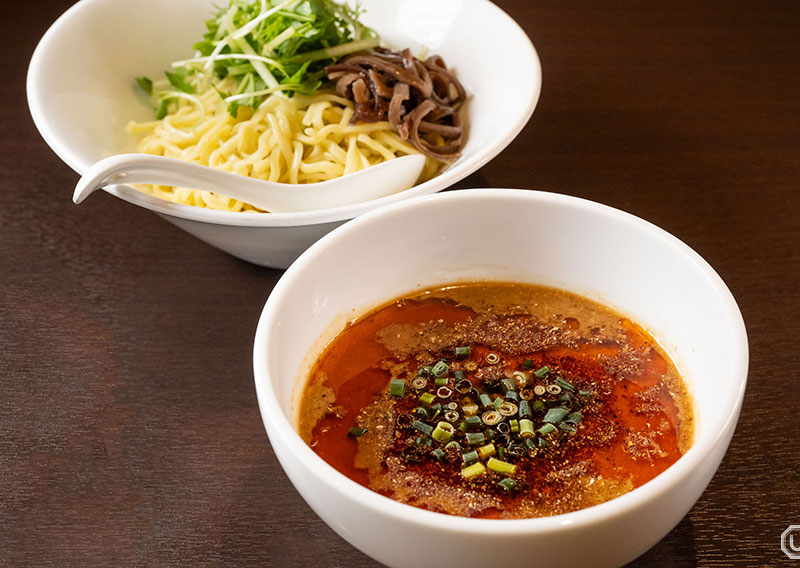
column 129, row 430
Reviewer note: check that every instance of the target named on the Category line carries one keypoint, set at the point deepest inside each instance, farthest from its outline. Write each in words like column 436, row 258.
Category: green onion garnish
column 473, row 422
column 546, row 429
column 475, row 438
column 508, row 484
column 541, row 371
column 427, row 398
column 473, row 470
column 440, row 369
column 470, row 458
column 525, row 428
column 443, row 432
column 486, row 400
column 397, row 387
column 501, row 467
column 574, row 418
column 564, row 384
column 527, row 364
column 441, row 381
column 422, row 427
column 356, row 432
column 439, row 454
column 486, row 451
column 509, row 384
column 462, row 351
column 525, row 409
column 555, row 415
column 492, row 358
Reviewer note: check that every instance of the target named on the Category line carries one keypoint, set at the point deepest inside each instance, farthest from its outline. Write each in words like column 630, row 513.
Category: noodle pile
column 299, row 139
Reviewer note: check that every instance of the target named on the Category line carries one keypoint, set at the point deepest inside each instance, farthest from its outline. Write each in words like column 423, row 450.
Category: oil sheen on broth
column 496, row 400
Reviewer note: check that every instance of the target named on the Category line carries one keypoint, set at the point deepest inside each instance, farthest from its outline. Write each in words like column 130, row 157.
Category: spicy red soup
column 496, row 400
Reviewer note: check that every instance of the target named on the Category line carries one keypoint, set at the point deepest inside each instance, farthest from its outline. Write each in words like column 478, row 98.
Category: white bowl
column 528, row 236
column 82, row 92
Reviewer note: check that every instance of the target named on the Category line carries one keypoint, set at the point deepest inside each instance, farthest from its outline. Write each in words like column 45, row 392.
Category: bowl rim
column 276, row 422
column 451, row 175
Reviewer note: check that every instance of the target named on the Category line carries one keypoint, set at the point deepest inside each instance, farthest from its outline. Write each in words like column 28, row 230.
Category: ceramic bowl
column 526, row 236
column 82, row 93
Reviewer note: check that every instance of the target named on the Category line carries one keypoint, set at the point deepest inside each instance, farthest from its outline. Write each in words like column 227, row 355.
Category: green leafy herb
column 265, row 47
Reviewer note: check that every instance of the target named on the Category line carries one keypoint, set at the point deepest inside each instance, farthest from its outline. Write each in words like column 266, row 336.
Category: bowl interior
column 82, row 89
column 587, row 248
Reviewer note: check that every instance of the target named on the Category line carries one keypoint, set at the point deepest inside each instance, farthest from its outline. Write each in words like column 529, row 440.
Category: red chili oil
column 635, row 413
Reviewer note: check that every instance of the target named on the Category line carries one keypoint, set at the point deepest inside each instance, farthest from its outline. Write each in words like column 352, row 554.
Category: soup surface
column 496, row 400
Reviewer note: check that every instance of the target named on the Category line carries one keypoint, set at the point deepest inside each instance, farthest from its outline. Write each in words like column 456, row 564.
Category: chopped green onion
column 451, row 415
column 512, row 395
column 475, row 438
column 541, row 372
column 419, row 383
column 492, row 358
column 508, row 408
column 501, row 467
column 538, row 406
column 420, row 412
column 473, row 470
column 486, row 400
column 546, row 429
column 508, row 484
column 525, row 428
column 443, row 432
column 452, row 445
column 441, row 381
column 497, row 403
column 473, row 422
column 514, row 426
column 520, row 378
column 530, row 444
column 574, row 418
column 422, row 427
column 527, row 364
column 470, row 409
column 356, row 432
column 564, row 384
column 503, row 428
column 444, row 392
column 525, row 409
column 460, row 376
column 539, row 390
column 567, row 427
column 462, row 351
column 427, row 398
column 397, row 387
column 553, row 389
column 486, row 451
column 509, row 384
column 555, row 415
column 439, row 455
column 440, row 369
column 470, row 458
column 491, row 417
column 424, row 370
column 464, row 385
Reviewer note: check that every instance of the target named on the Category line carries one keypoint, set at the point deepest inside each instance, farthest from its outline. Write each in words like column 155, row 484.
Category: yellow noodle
column 302, row 139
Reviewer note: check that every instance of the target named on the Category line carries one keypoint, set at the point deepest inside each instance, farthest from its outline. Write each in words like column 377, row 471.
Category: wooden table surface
column 129, row 429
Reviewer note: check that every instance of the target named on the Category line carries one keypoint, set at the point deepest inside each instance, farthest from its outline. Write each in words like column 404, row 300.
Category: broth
column 496, row 400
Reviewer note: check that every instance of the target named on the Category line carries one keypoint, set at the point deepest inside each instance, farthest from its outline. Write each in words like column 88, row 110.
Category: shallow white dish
column 528, row 236
column 82, row 92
